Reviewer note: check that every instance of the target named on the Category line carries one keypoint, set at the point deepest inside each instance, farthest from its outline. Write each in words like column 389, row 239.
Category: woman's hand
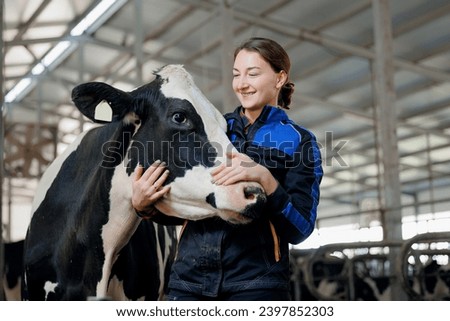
column 240, row 167
column 147, row 186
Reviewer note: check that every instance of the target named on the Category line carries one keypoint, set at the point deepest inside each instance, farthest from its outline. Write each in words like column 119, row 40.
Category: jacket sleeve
column 293, row 205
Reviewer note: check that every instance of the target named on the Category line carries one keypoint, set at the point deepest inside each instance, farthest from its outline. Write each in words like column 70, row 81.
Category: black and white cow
column 431, row 282
column 85, row 239
column 336, row 278
column 12, row 277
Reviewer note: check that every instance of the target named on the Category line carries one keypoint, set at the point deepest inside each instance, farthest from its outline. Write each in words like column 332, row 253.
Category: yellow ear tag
column 103, row 112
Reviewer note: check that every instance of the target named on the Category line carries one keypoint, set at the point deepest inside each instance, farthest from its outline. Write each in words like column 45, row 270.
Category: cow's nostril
column 252, row 192
column 249, row 196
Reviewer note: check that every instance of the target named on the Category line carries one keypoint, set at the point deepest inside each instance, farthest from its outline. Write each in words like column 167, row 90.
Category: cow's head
column 175, row 123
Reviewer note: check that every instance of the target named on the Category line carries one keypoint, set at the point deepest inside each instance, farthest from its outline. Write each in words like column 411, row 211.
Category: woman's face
column 254, row 81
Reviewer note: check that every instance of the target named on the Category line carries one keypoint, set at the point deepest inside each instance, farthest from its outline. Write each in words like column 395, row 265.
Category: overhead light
column 55, row 53
column 94, row 19
column 38, row 69
column 18, row 90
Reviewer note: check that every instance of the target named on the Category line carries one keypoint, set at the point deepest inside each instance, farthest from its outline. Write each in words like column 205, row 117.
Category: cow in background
column 85, row 239
column 330, row 277
column 432, row 282
column 317, row 279
column 426, row 266
column 12, row 277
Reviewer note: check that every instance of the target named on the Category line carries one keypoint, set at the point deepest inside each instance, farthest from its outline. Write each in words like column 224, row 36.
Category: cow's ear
column 101, row 102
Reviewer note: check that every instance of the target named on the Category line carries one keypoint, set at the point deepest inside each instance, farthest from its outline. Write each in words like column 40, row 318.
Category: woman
column 220, row 261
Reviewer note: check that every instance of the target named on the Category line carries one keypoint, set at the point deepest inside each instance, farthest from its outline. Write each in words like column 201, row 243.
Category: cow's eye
column 179, row 118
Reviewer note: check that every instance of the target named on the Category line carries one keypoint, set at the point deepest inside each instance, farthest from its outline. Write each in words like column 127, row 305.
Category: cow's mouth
column 251, row 212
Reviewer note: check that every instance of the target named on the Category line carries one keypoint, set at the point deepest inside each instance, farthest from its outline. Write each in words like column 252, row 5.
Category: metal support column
column 138, row 41
column 386, row 121
column 81, row 69
column 2, row 137
column 226, row 14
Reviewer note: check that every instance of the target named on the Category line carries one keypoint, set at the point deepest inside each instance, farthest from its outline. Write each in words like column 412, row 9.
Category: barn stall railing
column 341, row 271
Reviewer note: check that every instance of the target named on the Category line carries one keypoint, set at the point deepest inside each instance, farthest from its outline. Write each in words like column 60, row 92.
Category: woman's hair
column 278, row 59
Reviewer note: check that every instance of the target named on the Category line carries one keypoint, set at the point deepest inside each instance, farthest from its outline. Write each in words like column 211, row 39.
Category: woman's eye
column 179, row 118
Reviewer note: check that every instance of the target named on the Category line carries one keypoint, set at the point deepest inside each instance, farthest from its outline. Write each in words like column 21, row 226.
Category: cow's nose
column 257, row 199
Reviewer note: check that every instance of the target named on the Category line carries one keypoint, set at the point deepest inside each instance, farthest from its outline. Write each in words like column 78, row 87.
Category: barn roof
column 48, row 50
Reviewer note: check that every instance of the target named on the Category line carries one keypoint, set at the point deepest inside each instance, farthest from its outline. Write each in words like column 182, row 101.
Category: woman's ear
column 281, row 79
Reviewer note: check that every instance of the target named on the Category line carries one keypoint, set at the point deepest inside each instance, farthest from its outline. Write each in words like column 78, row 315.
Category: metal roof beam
column 361, row 116
column 398, row 31
column 23, row 28
column 340, row 45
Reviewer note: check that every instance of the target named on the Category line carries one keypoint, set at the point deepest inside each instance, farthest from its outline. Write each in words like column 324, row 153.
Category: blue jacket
column 215, row 256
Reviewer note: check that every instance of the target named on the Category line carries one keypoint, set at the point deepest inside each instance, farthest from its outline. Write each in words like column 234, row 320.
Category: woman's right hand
column 240, row 167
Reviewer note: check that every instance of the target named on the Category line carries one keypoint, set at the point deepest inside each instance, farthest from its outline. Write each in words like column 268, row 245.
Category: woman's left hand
column 240, row 167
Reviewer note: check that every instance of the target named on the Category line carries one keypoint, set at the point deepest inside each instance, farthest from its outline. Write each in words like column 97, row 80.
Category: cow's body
column 432, row 282
column 85, row 239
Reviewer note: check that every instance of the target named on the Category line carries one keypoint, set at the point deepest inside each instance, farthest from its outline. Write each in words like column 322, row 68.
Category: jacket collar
column 269, row 113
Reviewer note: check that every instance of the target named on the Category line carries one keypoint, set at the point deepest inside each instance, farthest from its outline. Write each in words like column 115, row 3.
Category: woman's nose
column 242, row 83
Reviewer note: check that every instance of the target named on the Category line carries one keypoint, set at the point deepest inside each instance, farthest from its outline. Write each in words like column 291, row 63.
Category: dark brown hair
column 277, row 57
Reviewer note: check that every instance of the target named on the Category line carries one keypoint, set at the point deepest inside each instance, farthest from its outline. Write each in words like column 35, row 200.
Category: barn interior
column 372, row 82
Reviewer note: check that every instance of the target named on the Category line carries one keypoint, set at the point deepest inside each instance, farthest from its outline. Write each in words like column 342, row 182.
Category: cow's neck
column 122, row 220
